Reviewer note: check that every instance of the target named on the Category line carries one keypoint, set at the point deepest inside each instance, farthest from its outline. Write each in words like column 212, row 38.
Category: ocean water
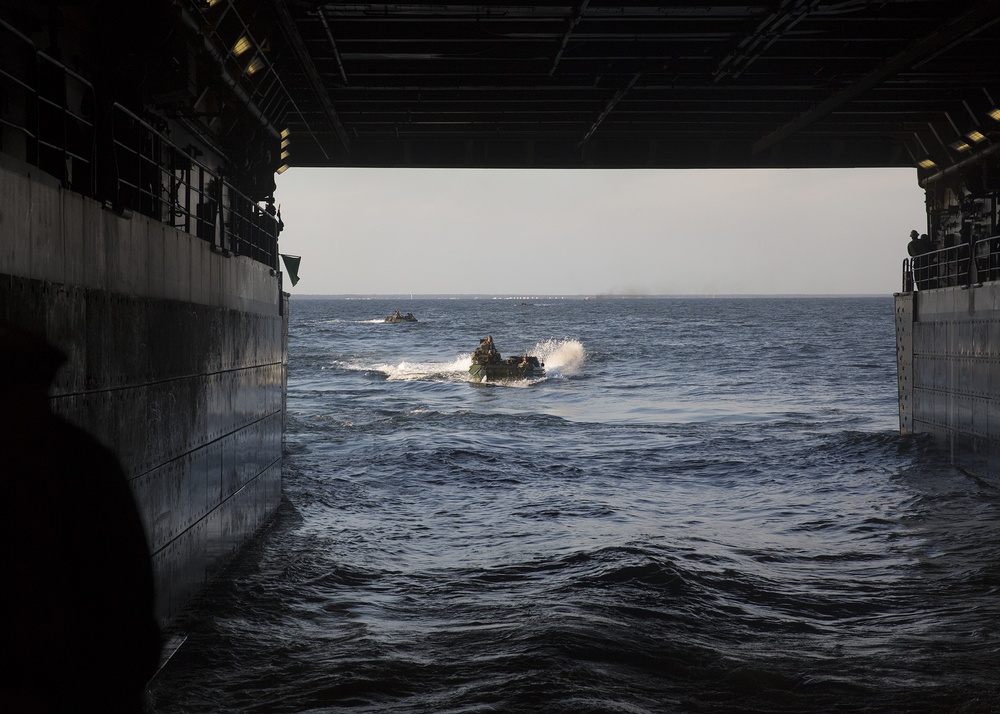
column 703, row 506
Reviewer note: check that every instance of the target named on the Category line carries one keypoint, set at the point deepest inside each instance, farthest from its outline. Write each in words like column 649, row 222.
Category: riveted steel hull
column 177, row 361
column 948, row 361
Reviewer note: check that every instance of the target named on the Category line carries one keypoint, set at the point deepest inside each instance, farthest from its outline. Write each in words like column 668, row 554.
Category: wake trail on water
column 560, row 357
column 425, row 370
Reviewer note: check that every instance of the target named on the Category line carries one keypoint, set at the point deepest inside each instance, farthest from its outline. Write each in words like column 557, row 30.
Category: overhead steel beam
column 979, row 18
column 607, row 110
column 569, row 31
column 766, row 34
column 333, row 44
column 312, row 75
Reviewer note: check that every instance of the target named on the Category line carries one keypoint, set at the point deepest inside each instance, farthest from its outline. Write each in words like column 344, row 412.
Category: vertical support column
column 905, row 315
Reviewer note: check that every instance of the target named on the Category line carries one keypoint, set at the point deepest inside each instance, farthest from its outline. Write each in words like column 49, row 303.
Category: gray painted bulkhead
column 948, row 358
column 904, row 360
column 177, row 361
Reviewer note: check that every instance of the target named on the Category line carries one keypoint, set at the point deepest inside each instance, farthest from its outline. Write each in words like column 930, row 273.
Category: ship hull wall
column 948, row 358
column 177, row 361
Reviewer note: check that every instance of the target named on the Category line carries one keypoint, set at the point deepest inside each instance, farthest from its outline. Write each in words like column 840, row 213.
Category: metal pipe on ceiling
column 955, row 168
column 333, row 45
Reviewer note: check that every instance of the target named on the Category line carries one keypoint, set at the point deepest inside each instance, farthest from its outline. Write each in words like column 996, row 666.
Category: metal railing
column 48, row 119
column 986, row 259
column 907, row 276
column 46, row 113
column 157, row 178
column 959, row 265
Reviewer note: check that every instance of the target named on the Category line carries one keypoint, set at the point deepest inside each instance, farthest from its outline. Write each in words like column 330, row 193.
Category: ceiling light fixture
column 242, row 45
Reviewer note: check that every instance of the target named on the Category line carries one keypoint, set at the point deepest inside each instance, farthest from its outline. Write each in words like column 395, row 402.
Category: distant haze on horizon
column 640, row 232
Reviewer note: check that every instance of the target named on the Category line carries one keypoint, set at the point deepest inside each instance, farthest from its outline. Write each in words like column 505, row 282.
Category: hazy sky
column 589, row 232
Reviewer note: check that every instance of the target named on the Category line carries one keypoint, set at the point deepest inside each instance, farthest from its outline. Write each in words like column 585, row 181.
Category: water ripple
column 709, row 510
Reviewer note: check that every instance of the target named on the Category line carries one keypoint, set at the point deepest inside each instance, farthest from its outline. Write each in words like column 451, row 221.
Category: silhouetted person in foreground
column 78, row 631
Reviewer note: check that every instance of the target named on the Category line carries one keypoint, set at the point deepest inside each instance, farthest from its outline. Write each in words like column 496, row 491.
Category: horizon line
column 592, row 296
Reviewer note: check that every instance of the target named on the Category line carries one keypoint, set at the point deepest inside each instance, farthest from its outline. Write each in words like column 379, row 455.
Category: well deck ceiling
column 791, row 83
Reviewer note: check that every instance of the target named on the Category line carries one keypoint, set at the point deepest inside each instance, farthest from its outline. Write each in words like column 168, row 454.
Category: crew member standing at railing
column 919, row 244
column 924, row 261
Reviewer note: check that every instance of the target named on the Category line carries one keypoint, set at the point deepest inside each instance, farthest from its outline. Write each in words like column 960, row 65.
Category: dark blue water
column 704, row 506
